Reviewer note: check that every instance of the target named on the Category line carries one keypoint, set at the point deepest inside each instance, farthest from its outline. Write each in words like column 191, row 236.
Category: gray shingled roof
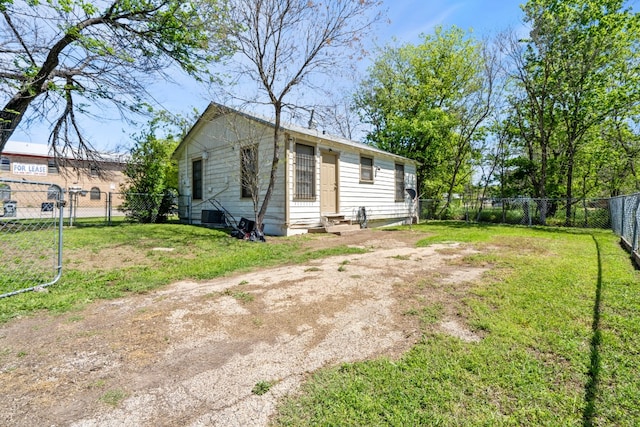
column 294, row 129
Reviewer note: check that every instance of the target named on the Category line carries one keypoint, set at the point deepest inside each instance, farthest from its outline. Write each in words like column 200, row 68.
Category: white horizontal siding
column 222, row 140
column 378, row 198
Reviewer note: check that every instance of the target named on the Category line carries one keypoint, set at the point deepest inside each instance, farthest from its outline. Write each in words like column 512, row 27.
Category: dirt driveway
column 190, row 354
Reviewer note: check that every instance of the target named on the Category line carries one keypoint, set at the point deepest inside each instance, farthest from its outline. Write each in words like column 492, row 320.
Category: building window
column 94, row 194
column 5, row 192
column 53, row 192
column 52, row 167
column 94, row 170
column 399, row 182
column 366, row 169
column 305, row 172
column 249, row 170
column 5, row 164
column 196, row 179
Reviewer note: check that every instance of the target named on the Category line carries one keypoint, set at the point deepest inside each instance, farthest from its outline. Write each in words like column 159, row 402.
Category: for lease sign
column 29, row 169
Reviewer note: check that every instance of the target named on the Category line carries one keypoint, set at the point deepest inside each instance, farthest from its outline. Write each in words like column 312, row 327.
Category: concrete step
column 343, row 229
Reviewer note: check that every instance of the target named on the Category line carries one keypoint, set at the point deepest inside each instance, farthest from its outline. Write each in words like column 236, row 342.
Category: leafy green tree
column 533, row 113
column 428, row 103
column 150, row 189
column 61, row 58
column 577, row 70
column 614, row 152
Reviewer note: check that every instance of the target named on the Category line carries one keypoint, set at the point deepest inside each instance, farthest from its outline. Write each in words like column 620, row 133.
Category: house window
column 196, row 179
column 5, row 192
column 249, row 170
column 52, row 167
column 53, row 192
column 305, row 172
column 366, row 169
column 5, row 164
column 95, row 171
column 399, row 182
column 94, row 194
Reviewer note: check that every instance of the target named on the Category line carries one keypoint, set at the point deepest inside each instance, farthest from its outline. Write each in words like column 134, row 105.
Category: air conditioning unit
column 212, row 217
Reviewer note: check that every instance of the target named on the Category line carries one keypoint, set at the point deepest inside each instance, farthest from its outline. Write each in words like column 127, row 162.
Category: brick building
column 34, row 162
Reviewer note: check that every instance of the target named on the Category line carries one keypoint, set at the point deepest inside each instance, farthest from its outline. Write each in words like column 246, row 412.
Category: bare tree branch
column 283, row 42
column 55, row 59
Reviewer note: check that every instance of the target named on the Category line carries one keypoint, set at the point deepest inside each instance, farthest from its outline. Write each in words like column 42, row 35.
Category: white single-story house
column 320, row 178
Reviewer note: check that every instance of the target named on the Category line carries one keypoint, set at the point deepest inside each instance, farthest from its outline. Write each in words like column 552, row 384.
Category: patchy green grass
column 343, row 265
column 558, row 313
column 244, row 297
column 113, row 397
column 262, row 387
column 560, row 320
column 104, row 262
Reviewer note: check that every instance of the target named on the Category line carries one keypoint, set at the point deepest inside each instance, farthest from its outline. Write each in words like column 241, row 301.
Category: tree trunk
column 14, row 110
column 570, row 158
column 274, row 168
column 11, row 116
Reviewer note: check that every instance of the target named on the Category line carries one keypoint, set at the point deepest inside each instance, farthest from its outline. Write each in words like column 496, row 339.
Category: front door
column 329, row 183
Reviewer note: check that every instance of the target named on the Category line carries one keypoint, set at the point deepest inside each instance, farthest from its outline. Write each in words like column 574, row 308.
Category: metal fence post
column 109, row 206
column 624, row 199
column 634, row 232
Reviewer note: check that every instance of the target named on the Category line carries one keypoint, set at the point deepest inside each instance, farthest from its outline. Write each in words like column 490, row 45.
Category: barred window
column 94, row 194
column 399, row 182
column 5, row 192
column 52, row 167
column 249, row 170
column 305, row 172
column 366, row 169
column 196, row 179
column 5, row 164
column 53, row 192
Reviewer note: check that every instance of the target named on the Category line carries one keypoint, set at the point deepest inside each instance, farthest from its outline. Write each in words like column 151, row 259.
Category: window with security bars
column 53, row 192
column 305, row 172
column 366, row 169
column 5, row 164
column 399, row 182
column 52, row 167
column 94, row 194
column 5, row 192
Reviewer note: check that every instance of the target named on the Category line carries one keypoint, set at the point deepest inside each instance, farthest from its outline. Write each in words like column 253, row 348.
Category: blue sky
column 410, row 18
column 407, row 20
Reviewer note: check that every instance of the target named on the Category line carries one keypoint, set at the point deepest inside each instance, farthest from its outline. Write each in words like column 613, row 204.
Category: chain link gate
column 31, row 219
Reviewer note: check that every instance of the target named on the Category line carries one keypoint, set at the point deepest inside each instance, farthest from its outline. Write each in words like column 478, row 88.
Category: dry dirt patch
column 191, row 353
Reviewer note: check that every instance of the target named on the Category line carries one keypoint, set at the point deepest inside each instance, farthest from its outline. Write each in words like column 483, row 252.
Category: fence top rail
column 20, row 181
column 626, row 196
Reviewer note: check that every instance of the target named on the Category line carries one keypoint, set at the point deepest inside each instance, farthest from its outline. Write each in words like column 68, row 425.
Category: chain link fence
column 85, row 207
column 32, row 216
column 30, row 235
column 625, row 221
column 587, row 213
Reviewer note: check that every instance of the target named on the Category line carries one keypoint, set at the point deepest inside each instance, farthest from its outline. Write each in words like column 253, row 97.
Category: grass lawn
column 560, row 316
column 558, row 310
column 102, row 262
